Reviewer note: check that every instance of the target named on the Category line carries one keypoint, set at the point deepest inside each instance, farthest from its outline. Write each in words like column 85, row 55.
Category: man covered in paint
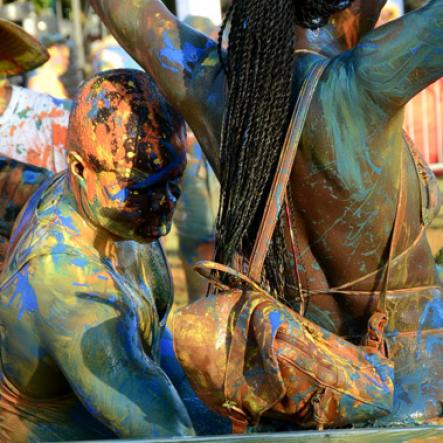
column 83, row 311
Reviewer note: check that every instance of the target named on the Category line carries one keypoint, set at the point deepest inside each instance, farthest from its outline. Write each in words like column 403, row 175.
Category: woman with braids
column 354, row 174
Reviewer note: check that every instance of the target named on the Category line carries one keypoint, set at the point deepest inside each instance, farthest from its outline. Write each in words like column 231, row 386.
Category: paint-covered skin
column 346, row 176
column 83, row 306
column 135, row 156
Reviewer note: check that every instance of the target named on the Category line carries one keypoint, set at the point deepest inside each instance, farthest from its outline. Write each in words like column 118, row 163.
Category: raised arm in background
column 184, row 63
column 392, row 63
column 395, row 62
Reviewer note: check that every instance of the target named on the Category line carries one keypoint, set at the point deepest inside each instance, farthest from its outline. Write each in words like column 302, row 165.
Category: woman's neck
column 323, row 41
column 344, row 30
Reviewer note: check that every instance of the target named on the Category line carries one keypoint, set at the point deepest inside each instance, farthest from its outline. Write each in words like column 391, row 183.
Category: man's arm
column 396, row 61
column 92, row 332
column 184, row 62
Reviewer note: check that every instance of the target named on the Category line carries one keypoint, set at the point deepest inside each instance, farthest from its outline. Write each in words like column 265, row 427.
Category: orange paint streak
column 59, row 134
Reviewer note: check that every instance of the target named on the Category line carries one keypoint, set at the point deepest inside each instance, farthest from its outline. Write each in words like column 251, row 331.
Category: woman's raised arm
column 184, row 62
column 396, row 61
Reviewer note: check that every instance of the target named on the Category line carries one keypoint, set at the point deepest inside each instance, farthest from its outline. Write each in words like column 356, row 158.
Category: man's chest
column 144, row 270
column 142, row 274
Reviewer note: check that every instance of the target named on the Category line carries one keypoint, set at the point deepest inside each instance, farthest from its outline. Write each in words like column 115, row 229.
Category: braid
column 221, row 33
column 259, row 69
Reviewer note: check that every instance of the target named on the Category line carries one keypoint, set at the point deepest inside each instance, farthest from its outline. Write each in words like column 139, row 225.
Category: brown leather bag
column 247, row 355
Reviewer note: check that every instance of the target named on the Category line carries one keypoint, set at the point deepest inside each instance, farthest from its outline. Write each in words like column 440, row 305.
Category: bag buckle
column 239, row 419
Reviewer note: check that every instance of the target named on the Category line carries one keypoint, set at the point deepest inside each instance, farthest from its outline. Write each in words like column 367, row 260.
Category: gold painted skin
column 348, row 164
column 83, row 311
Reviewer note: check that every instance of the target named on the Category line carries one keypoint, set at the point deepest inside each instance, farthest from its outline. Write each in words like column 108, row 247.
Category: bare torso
column 54, row 290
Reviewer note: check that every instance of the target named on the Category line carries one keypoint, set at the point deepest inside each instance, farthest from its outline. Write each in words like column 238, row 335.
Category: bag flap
column 359, row 372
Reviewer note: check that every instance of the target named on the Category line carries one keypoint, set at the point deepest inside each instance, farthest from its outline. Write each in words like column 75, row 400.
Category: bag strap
column 396, row 228
column 287, row 156
column 374, row 336
column 235, row 383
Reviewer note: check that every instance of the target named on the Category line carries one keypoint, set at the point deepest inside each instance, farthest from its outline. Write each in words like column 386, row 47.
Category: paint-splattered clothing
column 52, row 274
column 33, row 129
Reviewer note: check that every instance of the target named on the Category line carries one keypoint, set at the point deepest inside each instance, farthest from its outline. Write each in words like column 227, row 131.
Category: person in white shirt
column 33, row 127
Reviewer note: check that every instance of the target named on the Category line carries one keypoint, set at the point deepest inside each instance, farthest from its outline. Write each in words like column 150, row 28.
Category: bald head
column 126, row 155
column 120, row 121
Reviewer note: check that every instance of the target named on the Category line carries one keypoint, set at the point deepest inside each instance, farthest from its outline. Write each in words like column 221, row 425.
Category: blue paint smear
column 121, row 195
column 66, row 221
column 161, row 176
column 433, row 342
column 56, row 251
column 168, row 359
column 25, row 293
column 431, row 318
column 373, row 166
column 95, row 99
column 276, row 321
column 385, row 373
column 63, row 103
column 177, row 59
column 30, row 177
column 80, row 262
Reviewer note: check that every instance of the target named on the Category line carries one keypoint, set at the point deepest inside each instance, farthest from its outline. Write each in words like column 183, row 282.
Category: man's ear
column 76, row 165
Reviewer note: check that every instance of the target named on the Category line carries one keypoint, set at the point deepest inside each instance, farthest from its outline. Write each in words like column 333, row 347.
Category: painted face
column 138, row 204
column 134, row 148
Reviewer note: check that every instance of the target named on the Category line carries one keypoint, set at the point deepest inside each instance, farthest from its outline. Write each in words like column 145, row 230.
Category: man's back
column 355, row 178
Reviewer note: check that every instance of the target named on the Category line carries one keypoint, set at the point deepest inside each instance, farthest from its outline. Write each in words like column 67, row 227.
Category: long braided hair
column 259, row 70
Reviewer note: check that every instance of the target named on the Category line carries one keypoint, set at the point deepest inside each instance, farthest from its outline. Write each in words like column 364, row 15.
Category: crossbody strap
column 399, row 217
column 374, row 336
column 287, row 156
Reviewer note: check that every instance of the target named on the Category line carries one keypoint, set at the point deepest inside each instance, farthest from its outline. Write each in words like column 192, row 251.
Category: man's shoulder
column 60, row 289
column 48, row 227
column 73, row 270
